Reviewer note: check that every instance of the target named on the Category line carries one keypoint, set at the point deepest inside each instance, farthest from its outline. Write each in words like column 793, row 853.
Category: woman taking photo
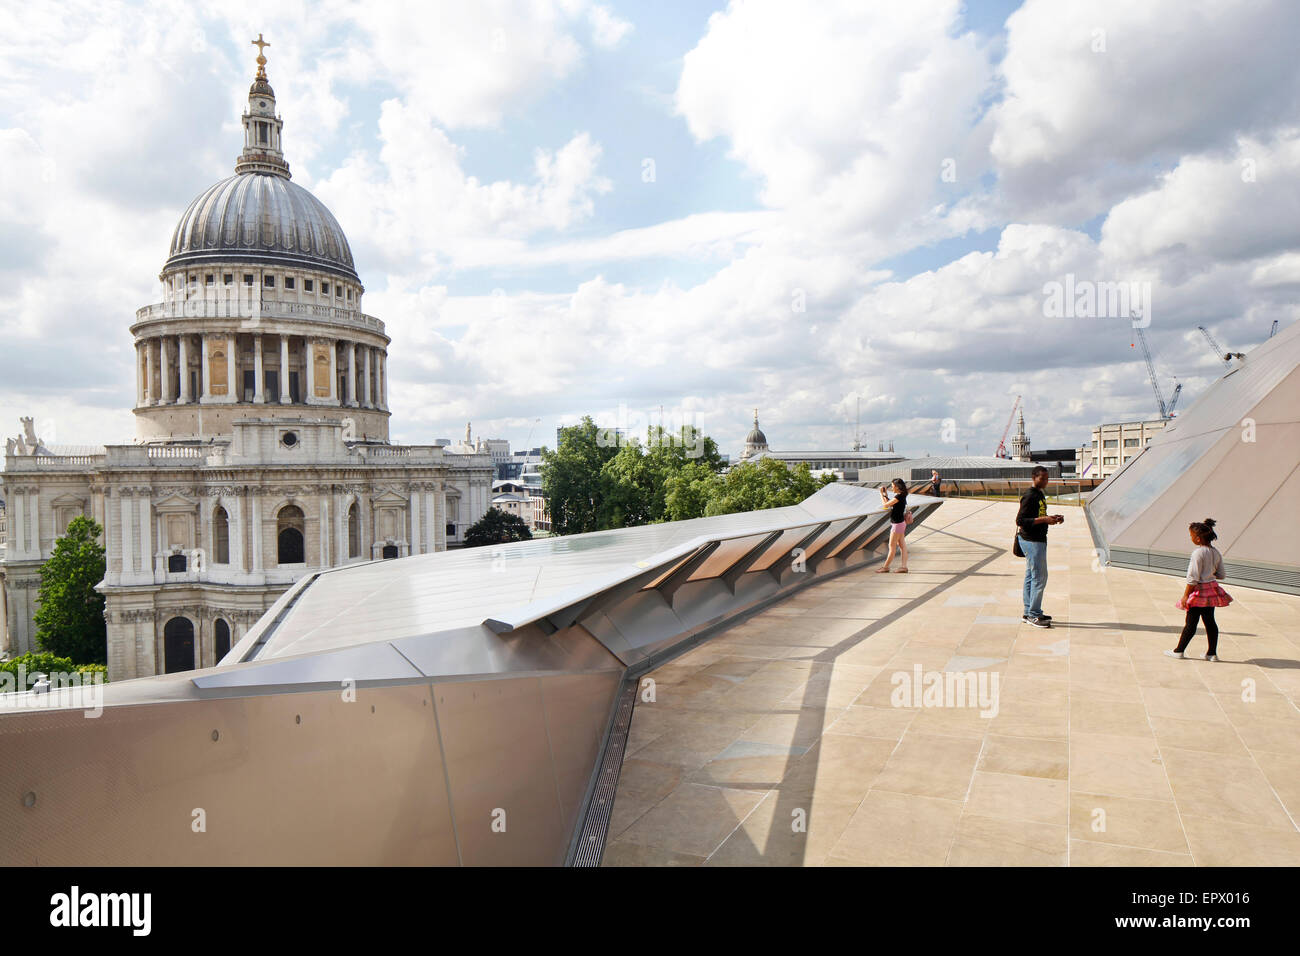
column 1203, row 592
column 897, row 506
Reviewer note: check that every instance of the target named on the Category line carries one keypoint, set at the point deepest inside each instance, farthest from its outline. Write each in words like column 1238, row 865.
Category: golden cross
column 261, row 57
column 260, row 43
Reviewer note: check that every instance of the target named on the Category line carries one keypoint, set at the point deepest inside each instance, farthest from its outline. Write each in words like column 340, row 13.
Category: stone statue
column 29, row 429
column 10, row 445
column 467, row 440
column 22, row 447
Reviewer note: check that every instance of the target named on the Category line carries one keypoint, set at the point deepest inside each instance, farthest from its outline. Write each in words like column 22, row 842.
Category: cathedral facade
column 261, row 450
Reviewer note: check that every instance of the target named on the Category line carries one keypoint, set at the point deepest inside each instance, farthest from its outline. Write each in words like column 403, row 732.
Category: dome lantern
column 263, row 151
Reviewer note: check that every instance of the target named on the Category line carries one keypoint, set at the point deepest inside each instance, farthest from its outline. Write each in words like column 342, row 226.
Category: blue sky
column 799, row 248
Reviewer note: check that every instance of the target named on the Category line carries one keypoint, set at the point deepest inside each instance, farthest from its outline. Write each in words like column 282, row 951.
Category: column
column 324, row 525
column 148, row 373
column 236, row 522
column 146, row 535
column 128, row 545
column 232, row 387
column 430, row 521
column 365, row 394
column 139, row 375
column 258, row 377
column 349, row 393
column 18, row 521
column 284, row 370
column 414, row 537
column 334, row 372
column 255, row 508
column 440, row 529
column 205, row 387
column 341, row 544
column 309, row 369
column 165, row 365
column 383, row 380
column 184, row 346
column 363, row 519
column 34, row 506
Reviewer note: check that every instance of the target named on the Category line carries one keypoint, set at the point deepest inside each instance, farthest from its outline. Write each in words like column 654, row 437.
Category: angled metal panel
column 782, row 564
column 668, row 587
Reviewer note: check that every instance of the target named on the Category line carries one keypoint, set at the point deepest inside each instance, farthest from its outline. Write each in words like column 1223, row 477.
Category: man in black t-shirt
column 1032, row 521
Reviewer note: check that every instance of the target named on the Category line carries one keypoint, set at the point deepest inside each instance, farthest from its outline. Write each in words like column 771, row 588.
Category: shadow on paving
column 811, row 711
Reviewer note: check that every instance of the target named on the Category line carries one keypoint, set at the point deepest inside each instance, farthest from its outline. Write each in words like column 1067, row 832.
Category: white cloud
column 1212, row 208
column 607, row 30
column 846, row 110
column 1099, row 93
column 416, row 205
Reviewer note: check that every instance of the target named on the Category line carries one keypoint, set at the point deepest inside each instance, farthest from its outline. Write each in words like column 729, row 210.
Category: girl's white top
column 1206, row 565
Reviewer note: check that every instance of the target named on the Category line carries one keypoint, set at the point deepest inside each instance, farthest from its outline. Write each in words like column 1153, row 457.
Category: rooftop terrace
column 1102, row 751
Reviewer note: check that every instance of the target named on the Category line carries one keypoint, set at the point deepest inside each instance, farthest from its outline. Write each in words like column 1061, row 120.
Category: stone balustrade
column 239, row 307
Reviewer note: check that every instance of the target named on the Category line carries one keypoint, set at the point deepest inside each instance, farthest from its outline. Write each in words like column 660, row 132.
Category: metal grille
column 1250, row 574
column 595, row 827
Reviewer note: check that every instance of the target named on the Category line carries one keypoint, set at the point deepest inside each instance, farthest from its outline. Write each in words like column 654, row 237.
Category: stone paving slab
column 787, row 740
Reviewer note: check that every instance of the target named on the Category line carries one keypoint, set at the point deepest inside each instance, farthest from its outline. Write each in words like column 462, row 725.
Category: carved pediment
column 176, row 503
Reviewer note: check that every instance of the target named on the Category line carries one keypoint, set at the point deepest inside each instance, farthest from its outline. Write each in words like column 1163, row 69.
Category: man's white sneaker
column 1177, row 654
column 1211, row 657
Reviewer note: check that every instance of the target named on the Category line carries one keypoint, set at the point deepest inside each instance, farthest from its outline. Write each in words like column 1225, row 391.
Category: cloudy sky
column 564, row 207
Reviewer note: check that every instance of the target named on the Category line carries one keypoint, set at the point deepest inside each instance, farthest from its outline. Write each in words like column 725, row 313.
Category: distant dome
column 261, row 217
column 755, row 441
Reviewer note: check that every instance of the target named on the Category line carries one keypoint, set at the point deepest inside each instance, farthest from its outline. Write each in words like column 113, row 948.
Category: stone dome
column 261, row 218
column 755, row 437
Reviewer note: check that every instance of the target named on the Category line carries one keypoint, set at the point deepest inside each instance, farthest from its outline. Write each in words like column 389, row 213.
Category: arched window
column 221, row 639
column 178, row 645
column 220, row 536
column 390, row 551
column 354, row 531
column 288, row 535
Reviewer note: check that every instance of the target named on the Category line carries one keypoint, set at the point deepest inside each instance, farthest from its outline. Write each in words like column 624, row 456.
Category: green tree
column 762, row 484
column 674, row 461
column 688, row 489
column 573, row 478
column 497, row 527
column 70, row 612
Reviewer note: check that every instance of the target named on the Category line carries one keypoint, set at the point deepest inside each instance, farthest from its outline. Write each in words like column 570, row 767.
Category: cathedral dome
column 261, row 217
column 755, row 437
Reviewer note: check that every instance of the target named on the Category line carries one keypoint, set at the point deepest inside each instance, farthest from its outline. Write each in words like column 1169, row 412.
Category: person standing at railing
column 1032, row 521
column 934, row 483
column 1203, row 593
column 897, row 506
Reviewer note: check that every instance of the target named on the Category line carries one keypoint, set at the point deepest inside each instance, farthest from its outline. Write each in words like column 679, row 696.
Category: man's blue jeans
column 1035, row 575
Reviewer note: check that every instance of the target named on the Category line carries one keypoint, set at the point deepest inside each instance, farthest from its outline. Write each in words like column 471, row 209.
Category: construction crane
column 1215, row 347
column 1273, row 331
column 1178, row 390
column 1166, row 411
column 1002, row 444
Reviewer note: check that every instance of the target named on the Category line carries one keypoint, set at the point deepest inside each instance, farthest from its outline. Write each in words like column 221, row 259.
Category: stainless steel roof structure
column 1233, row 456
column 461, row 707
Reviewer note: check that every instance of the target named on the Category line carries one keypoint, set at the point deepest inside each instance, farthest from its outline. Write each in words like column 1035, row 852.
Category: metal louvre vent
column 1234, row 572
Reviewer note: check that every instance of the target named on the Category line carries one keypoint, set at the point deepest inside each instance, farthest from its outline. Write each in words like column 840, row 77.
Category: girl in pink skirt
column 1203, row 592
